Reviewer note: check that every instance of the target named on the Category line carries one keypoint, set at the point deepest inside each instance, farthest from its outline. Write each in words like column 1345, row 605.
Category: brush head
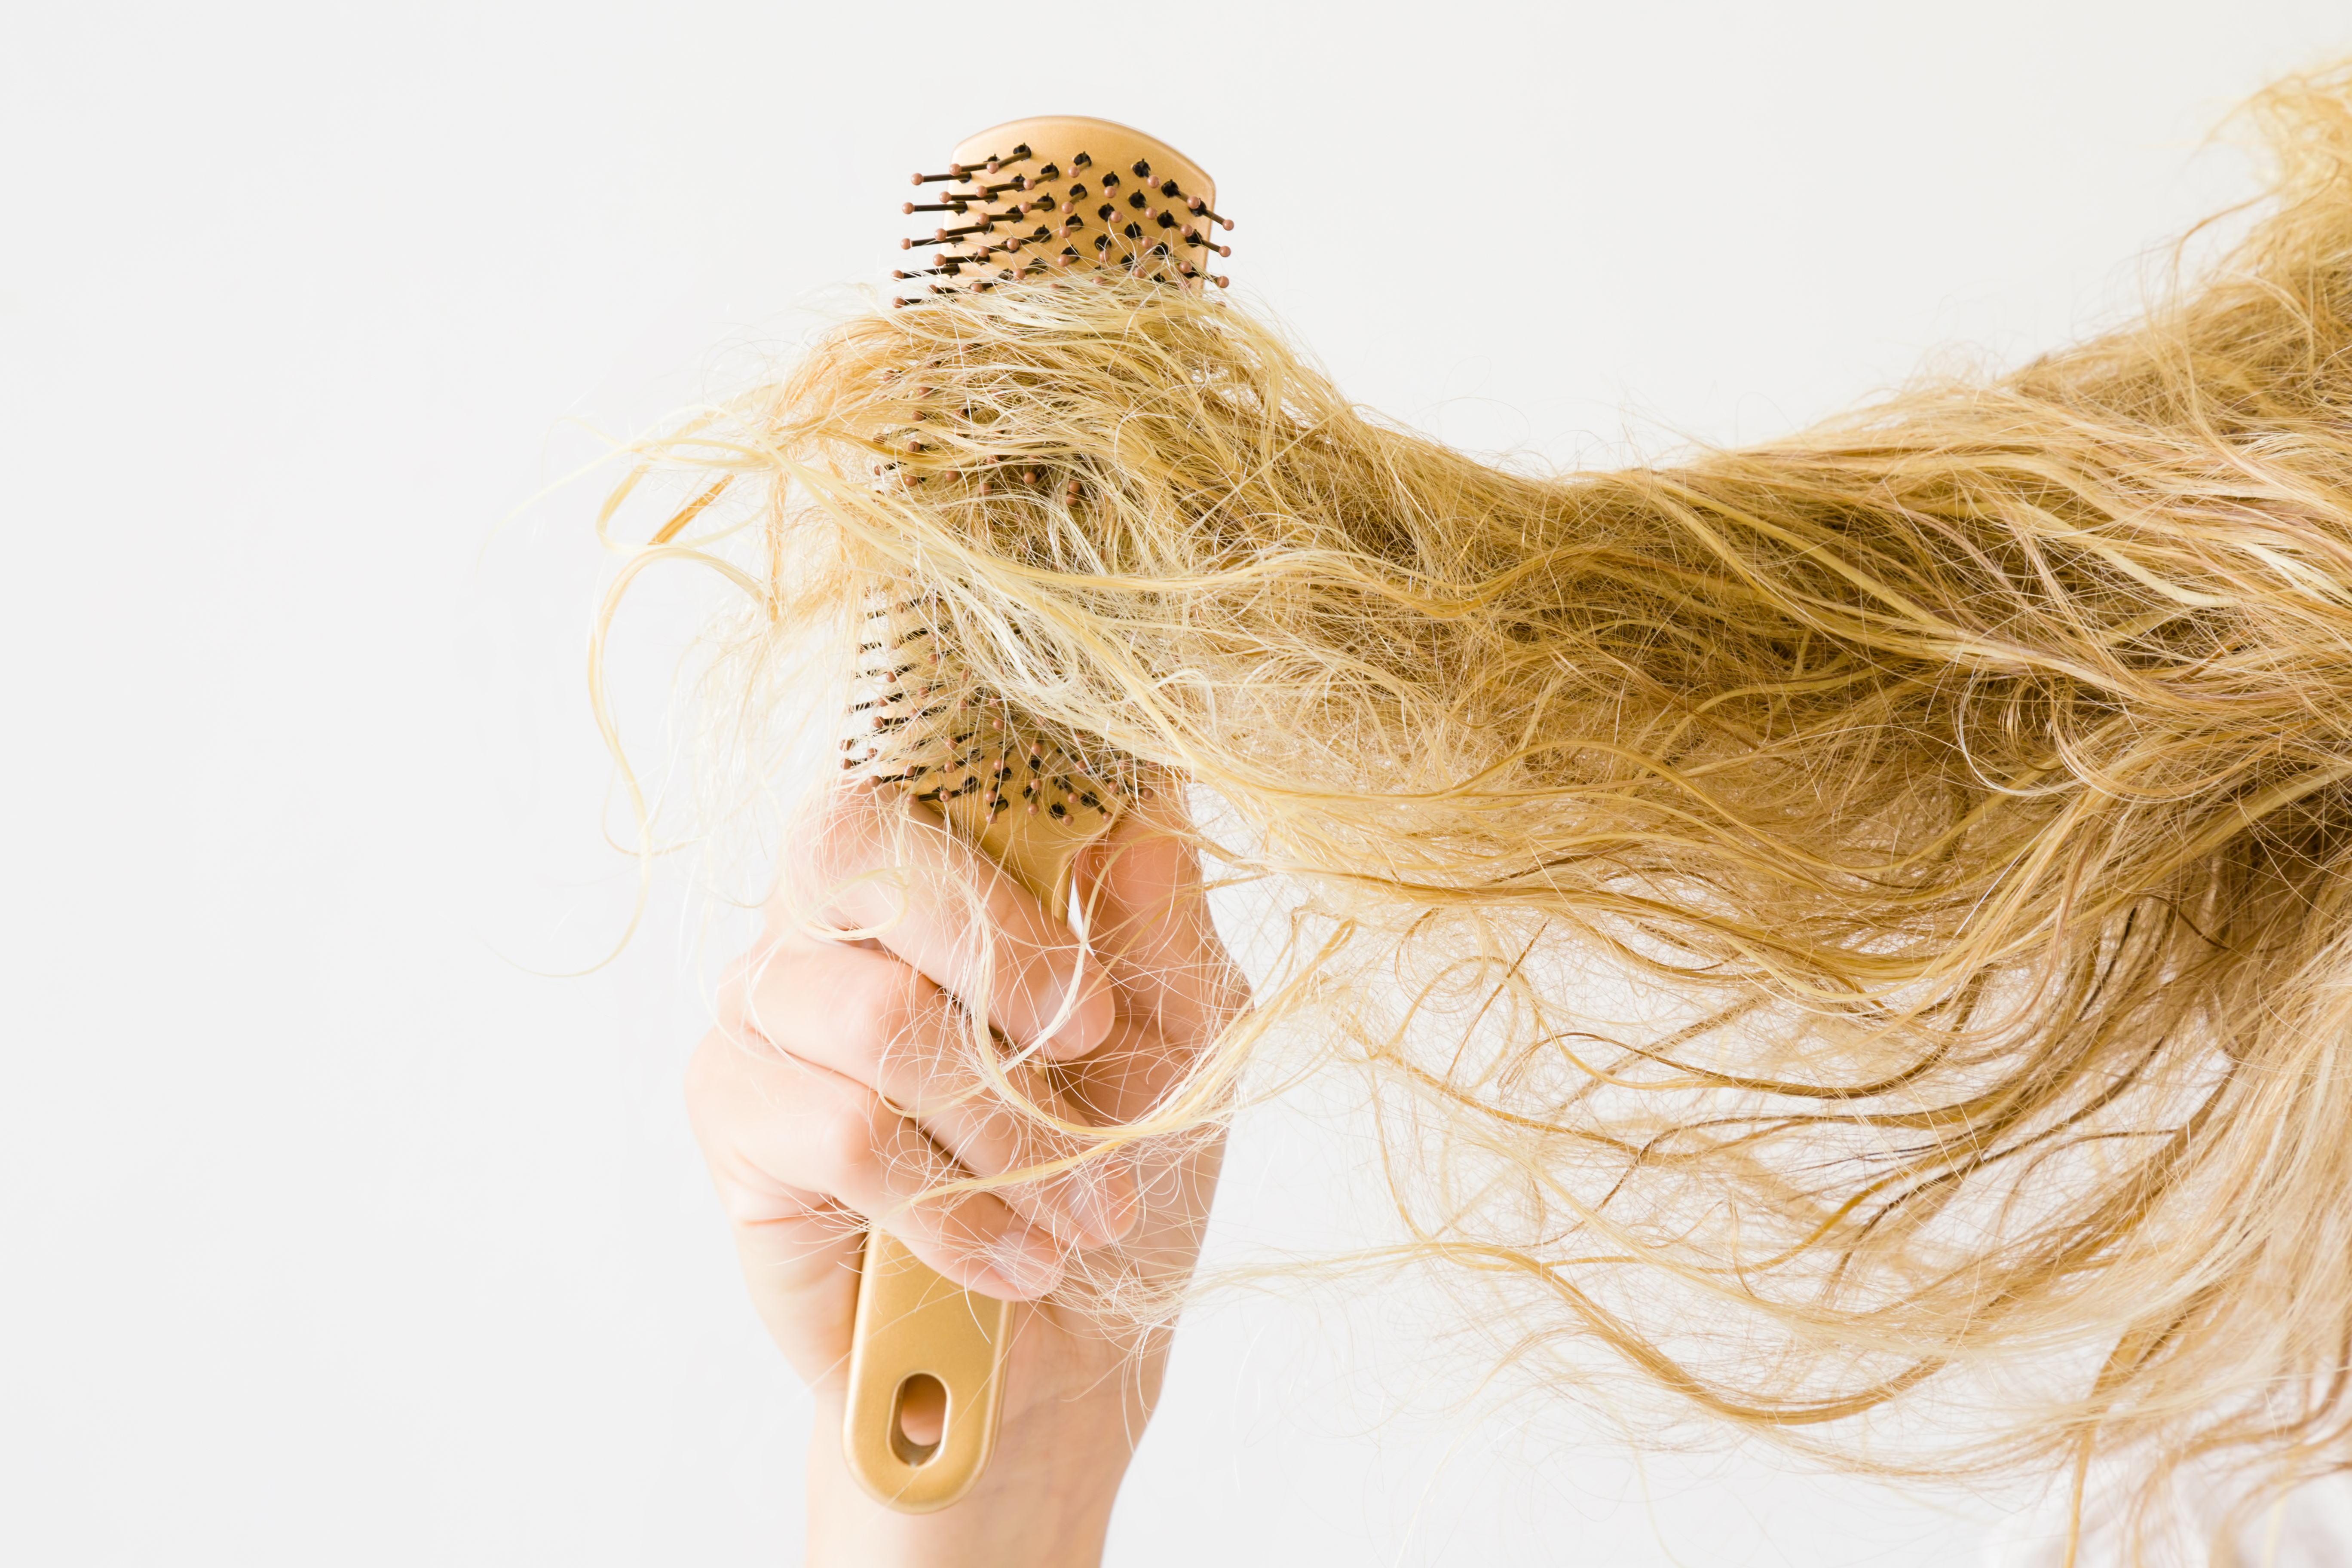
column 919, row 722
column 1060, row 195
column 1043, row 199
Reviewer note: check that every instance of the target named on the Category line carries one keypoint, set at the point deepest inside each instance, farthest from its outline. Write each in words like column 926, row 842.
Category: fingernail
column 1088, row 1022
column 1103, row 1200
column 1025, row 1259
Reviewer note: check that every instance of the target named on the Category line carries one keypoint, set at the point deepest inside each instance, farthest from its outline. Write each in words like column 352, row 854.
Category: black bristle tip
column 1202, row 208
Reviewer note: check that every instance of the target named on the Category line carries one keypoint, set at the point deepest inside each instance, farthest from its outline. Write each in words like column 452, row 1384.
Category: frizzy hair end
column 1958, row 795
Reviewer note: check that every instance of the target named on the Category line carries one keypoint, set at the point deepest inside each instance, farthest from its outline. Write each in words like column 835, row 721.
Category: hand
column 837, row 1086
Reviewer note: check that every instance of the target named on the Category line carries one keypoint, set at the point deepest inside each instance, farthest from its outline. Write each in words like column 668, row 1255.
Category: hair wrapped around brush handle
column 1028, row 200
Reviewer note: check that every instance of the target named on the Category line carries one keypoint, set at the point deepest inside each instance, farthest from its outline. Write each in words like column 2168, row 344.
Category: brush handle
column 911, row 1320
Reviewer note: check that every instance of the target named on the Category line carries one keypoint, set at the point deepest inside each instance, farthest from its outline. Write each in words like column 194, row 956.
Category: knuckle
column 848, row 842
column 770, row 996
column 1033, row 981
column 845, row 1143
column 873, row 1018
column 713, row 1072
column 877, row 993
column 1009, row 1130
column 751, row 1203
column 957, row 1222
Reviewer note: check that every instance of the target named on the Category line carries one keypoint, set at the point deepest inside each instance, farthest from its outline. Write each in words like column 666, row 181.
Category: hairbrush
column 1026, row 200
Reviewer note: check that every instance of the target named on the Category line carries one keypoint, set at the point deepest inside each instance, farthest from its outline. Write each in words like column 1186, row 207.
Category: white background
column 333, row 1234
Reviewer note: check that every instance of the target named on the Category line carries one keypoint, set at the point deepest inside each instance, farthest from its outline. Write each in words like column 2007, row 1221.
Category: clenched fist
column 839, row 1085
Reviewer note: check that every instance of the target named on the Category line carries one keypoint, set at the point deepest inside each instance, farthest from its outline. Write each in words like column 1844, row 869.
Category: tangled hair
column 1867, row 914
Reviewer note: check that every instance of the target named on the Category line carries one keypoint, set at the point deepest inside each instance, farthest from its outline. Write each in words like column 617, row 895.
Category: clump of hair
column 1865, row 914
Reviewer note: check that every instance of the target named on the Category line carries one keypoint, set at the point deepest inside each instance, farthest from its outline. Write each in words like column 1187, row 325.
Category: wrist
column 1044, row 1502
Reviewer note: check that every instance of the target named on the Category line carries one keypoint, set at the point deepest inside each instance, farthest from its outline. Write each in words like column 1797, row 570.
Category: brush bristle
column 1020, row 213
column 1036, row 205
column 919, row 722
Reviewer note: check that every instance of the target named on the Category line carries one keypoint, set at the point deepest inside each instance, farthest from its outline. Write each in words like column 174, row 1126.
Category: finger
column 777, row 1131
column 1176, row 987
column 799, row 1254
column 802, row 1271
column 877, row 1021
column 1088, row 1196
column 1151, row 915
column 925, row 895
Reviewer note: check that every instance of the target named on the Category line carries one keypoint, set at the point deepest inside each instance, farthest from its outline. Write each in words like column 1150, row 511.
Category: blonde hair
column 1954, row 799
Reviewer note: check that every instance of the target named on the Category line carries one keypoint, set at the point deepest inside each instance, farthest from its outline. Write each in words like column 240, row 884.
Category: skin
column 835, row 1086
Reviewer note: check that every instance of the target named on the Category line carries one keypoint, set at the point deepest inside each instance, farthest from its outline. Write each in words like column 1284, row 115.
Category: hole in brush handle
column 915, row 1327
column 919, row 1419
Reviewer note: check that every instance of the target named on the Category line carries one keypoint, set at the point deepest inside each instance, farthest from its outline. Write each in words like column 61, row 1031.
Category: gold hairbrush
column 1022, row 201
